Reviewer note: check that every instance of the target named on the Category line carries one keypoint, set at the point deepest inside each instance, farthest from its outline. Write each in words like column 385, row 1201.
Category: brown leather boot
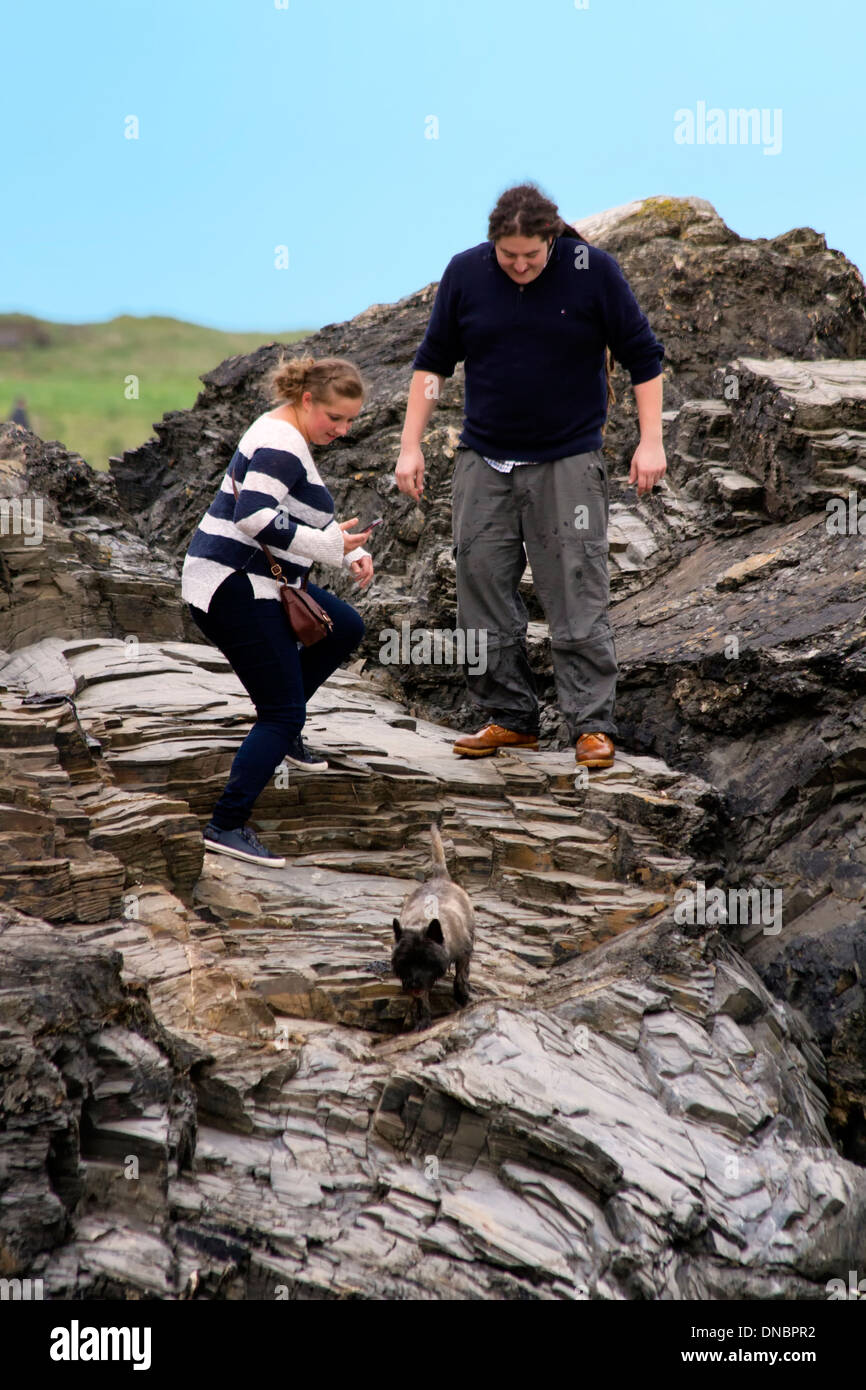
column 594, row 750
column 489, row 739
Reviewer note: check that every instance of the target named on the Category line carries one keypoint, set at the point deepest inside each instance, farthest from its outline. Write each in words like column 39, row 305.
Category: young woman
column 232, row 596
column 533, row 312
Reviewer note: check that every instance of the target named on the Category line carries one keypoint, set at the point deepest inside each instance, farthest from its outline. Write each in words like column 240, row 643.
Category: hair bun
column 323, row 376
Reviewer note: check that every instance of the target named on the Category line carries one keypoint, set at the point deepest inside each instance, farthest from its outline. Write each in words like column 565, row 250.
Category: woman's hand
column 410, row 472
column 351, row 542
column 362, row 569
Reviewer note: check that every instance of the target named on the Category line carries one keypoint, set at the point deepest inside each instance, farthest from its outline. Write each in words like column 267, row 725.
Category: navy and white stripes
column 282, row 501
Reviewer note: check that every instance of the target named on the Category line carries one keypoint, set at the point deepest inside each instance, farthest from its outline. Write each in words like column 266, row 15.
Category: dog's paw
column 462, row 995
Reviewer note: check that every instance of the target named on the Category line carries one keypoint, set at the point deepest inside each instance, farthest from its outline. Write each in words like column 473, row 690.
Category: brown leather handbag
column 308, row 620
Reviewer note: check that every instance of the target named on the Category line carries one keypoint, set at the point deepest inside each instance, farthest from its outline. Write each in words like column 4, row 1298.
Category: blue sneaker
column 241, row 844
column 299, row 754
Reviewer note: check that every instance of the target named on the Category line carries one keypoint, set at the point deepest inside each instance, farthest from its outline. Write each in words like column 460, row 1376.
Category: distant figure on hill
column 18, row 414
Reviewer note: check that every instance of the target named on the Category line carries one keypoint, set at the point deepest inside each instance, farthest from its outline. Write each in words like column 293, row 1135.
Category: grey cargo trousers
column 555, row 514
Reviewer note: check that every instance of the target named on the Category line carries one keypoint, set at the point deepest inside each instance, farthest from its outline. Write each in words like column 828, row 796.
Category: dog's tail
column 438, row 851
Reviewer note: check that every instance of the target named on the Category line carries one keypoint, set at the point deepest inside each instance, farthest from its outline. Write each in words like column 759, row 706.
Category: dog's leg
column 423, row 1016
column 462, row 992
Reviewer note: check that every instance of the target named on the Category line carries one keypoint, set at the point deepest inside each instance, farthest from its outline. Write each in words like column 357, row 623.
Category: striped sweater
column 281, row 501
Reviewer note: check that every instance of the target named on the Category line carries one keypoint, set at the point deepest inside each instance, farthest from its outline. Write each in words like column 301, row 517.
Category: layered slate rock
column 650, row 1125
column 737, row 611
column 73, row 561
column 88, row 1082
column 560, row 862
column 622, row 1110
column 73, row 838
column 780, row 439
column 745, row 664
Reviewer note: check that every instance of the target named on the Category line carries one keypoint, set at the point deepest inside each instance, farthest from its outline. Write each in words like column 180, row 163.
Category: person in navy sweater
column 234, row 599
column 533, row 313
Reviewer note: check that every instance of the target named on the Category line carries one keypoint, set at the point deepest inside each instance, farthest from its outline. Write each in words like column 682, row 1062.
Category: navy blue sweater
column 534, row 353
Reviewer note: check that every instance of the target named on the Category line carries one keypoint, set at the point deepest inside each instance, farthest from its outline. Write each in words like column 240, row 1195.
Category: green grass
column 74, row 384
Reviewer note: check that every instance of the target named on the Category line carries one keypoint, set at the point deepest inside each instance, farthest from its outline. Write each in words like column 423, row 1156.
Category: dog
column 436, row 927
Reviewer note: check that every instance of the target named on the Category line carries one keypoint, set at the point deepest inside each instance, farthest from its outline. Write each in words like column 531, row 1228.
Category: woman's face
column 522, row 257
column 328, row 420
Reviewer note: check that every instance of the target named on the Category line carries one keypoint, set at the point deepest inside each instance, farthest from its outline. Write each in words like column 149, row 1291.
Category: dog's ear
column 398, row 930
column 434, row 931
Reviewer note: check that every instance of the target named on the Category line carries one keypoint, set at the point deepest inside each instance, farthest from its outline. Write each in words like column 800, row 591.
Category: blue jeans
column 279, row 677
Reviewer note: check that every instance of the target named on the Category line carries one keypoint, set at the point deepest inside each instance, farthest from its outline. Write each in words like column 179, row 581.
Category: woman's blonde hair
column 324, row 377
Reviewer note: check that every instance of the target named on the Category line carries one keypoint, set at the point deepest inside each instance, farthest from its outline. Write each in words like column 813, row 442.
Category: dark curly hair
column 525, row 211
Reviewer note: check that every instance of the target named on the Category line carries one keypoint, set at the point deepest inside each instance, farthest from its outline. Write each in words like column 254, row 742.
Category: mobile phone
column 371, row 525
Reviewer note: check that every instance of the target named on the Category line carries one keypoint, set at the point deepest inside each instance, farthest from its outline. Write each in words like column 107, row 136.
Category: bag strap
column 276, row 571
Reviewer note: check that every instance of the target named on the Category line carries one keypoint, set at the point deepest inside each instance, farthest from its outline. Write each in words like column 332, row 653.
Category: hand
column 410, row 471
column 350, row 541
column 647, row 466
column 362, row 569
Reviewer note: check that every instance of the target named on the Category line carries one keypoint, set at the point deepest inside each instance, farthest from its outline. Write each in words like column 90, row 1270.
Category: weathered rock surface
column 745, row 663
column 765, row 388
column 710, row 296
column 625, row 1109
column 73, row 562
column 650, row 1125
column 216, row 1099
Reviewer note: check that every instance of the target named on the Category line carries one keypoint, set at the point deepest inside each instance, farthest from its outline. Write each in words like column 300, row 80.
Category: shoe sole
column 594, row 762
column 308, row 767
column 276, row 863
column 488, row 752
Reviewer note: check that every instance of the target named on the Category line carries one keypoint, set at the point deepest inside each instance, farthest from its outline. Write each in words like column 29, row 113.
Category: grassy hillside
column 72, row 376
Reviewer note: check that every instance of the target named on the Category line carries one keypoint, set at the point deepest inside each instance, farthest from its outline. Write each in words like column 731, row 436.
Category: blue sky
column 306, row 126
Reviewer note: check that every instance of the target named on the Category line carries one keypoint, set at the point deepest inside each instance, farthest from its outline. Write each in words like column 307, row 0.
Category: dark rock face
column 744, row 663
column 73, row 561
column 765, row 389
column 86, row 1078
column 290, row 1141
column 209, row 1081
column 649, row 1126
column 710, row 296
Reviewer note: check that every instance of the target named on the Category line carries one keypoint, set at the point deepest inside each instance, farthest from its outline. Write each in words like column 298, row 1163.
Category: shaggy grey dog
column 436, row 926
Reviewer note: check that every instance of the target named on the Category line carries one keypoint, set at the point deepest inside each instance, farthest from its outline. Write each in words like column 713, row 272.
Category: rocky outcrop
column 745, row 664
column 216, row 1091
column 637, row 1102
column 73, row 561
column 738, row 605
column 86, row 1077
column 649, row 1126
column 96, row 820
